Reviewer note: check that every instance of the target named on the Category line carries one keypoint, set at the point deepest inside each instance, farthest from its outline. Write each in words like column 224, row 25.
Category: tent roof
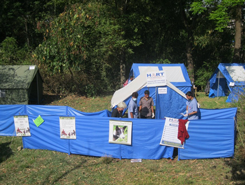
column 233, row 72
column 17, row 76
column 138, row 83
column 175, row 73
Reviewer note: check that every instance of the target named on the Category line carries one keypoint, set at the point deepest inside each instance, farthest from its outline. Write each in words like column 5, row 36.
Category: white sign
column 232, row 84
column 67, row 128
column 31, row 67
column 22, row 127
column 170, row 133
column 156, row 79
column 162, row 90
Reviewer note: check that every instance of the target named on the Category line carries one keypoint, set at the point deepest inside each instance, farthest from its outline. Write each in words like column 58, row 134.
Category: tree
column 86, row 38
column 224, row 12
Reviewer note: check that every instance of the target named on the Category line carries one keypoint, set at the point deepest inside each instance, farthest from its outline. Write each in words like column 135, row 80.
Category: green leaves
column 198, row 7
column 219, row 11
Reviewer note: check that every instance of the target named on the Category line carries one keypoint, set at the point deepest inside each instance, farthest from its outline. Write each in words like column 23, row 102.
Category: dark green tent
column 20, row 84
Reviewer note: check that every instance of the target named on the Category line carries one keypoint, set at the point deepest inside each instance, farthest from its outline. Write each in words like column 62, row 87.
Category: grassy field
column 24, row 166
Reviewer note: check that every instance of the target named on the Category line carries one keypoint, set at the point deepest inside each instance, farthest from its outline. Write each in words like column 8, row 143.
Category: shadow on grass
column 5, row 151
column 175, row 153
column 64, row 174
column 237, row 171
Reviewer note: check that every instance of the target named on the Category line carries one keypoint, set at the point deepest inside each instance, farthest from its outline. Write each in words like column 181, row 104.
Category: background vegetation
column 87, row 47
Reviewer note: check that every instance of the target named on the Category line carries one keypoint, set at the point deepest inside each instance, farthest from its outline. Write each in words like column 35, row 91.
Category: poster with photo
column 120, row 132
column 170, row 133
column 67, row 128
column 22, row 127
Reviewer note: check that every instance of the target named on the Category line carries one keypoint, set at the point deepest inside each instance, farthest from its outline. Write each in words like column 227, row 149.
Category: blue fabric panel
column 135, row 71
column 7, row 113
column 93, row 138
column 47, row 110
column 74, row 112
column 209, row 139
column 211, row 114
column 171, row 104
column 146, row 136
column 46, row 136
column 236, row 92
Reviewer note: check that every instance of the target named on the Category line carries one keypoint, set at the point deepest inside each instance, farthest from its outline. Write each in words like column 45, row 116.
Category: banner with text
column 155, row 79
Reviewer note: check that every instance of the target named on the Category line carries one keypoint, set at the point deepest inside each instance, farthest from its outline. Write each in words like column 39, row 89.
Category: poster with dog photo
column 67, row 128
column 22, row 127
column 120, row 132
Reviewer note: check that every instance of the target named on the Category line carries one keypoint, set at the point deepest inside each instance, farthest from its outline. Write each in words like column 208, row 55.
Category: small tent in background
column 171, row 101
column 228, row 80
column 20, row 84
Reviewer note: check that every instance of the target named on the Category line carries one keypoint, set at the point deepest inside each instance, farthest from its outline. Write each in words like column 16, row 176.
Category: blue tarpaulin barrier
column 210, row 137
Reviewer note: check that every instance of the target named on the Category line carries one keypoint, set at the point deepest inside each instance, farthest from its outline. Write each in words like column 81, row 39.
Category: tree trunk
column 190, row 63
column 122, row 67
column 122, row 6
column 27, row 36
column 238, row 35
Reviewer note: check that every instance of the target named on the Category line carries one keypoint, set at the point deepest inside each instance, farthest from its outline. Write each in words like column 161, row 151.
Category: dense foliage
column 88, row 47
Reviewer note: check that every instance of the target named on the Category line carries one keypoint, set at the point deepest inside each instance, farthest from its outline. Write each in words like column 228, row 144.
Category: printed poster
column 22, row 127
column 170, row 133
column 120, row 132
column 67, row 128
column 155, row 79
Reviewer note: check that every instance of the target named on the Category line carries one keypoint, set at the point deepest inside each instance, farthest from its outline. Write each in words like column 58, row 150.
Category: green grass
column 49, row 167
column 212, row 103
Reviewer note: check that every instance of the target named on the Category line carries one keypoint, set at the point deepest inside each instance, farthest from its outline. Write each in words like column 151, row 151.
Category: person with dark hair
column 132, row 106
column 191, row 107
column 117, row 112
column 146, row 106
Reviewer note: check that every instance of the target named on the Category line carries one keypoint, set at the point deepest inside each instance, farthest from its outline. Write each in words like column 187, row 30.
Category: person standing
column 117, row 112
column 146, row 106
column 191, row 107
column 132, row 106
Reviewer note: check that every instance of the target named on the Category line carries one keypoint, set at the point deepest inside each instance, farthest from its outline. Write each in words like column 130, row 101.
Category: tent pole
column 218, row 84
column 156, row 101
